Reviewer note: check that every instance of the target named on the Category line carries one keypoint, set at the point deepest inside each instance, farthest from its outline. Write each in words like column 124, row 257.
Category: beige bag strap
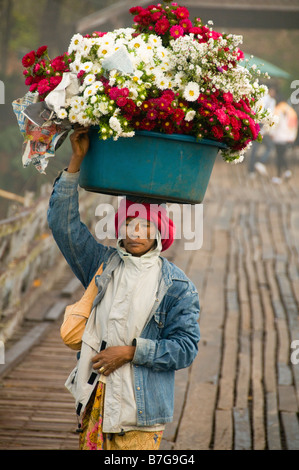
column 86, row 301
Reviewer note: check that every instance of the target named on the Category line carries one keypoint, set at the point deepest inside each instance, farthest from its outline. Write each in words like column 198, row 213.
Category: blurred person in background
column 284, row 135
column 269, row 103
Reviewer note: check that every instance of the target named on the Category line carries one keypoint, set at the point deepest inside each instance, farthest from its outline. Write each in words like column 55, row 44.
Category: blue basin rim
column 182, row 137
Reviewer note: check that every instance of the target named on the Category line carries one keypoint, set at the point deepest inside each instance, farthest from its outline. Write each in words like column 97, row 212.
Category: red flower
column 134, row 10
column 41, row 51
column 121, row 101
column 162, row 26
column 130, row 107
column 147, row 124
column 162, row 103
column 178, row 116
column 217, row 132
column 186, row 127
column 168, row 95
column 28, row 59
column 152, row 114
column 168, row 126
column 181, row 13
column 29, row 80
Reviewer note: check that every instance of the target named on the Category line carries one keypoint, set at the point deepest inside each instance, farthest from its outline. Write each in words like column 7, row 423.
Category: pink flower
column 186, row 24
column 152, row 114
column 176, row 31
column 235, row 122
column 43, row 86
column 28, row 59
column 162, row 26
column 240, row 55
column 222, row 116
column 33, row 87
column 54, row 81
column 58, row 64
column 228, row 97
column 115, row 93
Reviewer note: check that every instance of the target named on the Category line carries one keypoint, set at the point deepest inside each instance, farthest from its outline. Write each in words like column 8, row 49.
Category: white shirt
column 121, row 317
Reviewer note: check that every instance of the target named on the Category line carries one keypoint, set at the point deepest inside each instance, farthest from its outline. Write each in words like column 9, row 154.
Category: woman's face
column 138, row 235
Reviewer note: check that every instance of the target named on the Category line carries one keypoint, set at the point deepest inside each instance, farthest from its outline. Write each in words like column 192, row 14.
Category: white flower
column 89, row 79
column 72, row 117
column 161, row 81
column 96, row 69
column 75, row 66
column 87, row 66
column 83, row 119
column 104, row 49
column 97, row 86
column 103, row 107
column 85, row 48
column 190, row 115
column 89, row 91
column 137, row 43
column 115, row 124
column 76, row 43
column 155, row 40
column 127, row 134
column 62, row 113
column 191, row 92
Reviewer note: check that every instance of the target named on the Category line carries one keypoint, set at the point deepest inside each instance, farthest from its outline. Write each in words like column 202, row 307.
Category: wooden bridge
column 242, row 391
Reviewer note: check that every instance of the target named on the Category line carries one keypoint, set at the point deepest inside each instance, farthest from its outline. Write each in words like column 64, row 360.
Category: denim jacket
column 168, row 342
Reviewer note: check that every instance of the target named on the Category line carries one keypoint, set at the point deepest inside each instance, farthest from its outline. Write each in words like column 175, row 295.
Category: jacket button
column 140, row 412
column 138, row 388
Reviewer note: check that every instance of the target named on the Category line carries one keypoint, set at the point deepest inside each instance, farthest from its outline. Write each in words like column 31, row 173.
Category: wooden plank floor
column 242, row 391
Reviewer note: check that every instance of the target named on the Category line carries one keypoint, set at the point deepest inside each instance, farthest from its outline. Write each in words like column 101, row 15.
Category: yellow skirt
column 93, row 438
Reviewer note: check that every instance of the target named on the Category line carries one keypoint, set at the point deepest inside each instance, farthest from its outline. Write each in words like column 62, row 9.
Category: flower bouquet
column 165, row 74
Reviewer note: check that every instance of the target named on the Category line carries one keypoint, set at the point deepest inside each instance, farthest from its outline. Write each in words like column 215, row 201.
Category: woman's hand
column 80, row 144
column 112, row 358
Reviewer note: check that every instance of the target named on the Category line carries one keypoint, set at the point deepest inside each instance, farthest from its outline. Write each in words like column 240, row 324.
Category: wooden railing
column 29, row 258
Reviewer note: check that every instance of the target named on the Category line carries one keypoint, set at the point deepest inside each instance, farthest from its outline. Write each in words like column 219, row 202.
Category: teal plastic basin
column 171, row 168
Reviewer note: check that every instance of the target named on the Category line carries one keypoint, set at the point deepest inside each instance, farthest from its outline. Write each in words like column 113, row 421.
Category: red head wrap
column 155, row 213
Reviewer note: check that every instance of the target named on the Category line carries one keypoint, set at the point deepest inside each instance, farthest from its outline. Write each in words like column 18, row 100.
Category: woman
column 143, row 325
